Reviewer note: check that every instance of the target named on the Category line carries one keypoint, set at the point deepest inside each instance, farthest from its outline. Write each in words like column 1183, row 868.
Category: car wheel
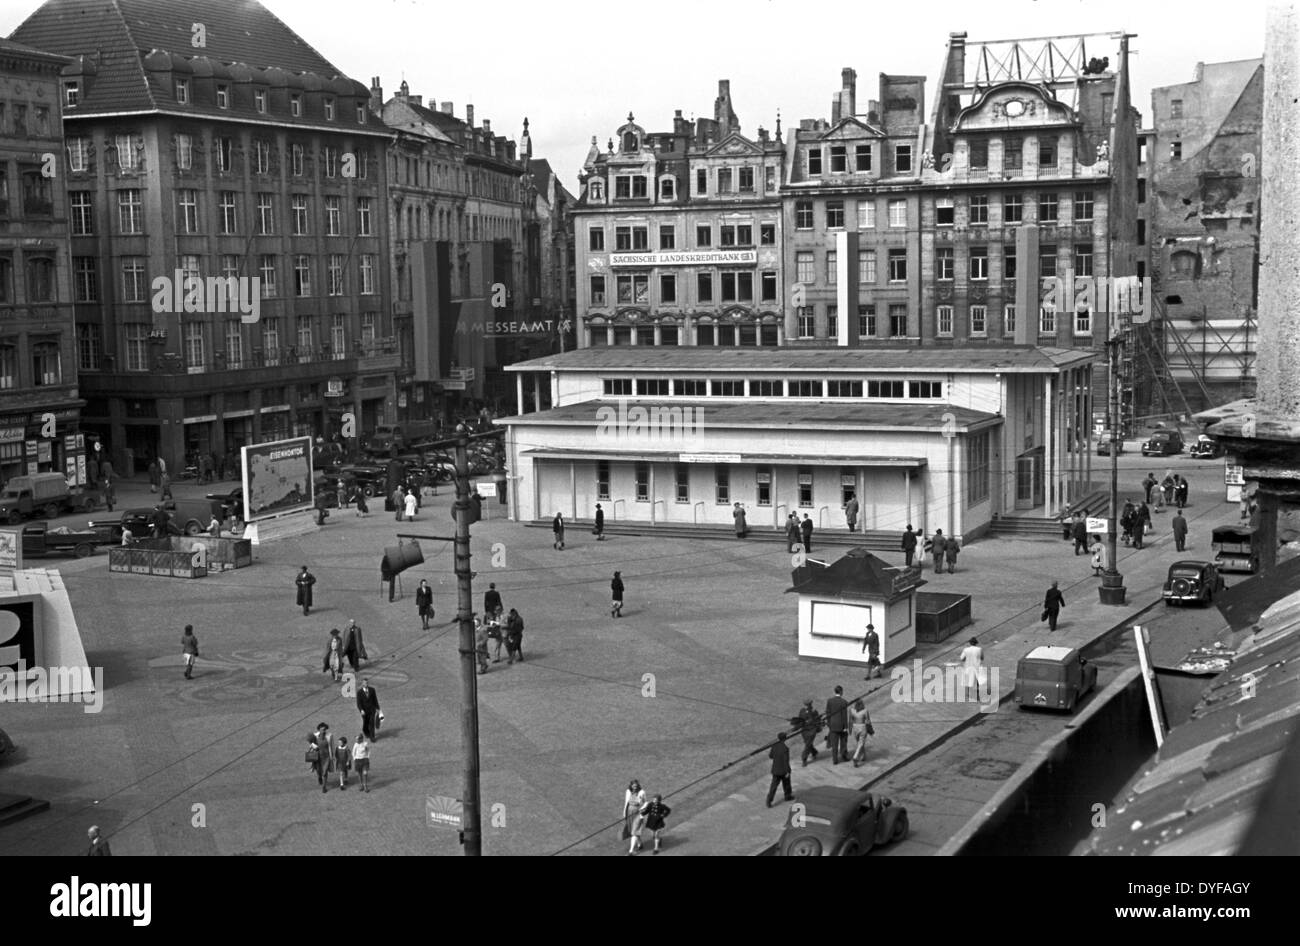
column 51, row 511
column 851, row 848
column 900, row 827
column 83, row 550
column 369, row 491
column 805, row 847
column 192, row 528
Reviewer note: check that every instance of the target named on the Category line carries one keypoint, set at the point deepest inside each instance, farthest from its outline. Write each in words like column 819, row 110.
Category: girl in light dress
column 633, row 802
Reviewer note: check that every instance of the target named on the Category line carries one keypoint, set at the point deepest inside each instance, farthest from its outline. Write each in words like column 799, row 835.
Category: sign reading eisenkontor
column 277, row 477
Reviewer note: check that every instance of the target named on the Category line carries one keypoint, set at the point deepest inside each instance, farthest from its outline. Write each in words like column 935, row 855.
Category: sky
column 577, row 70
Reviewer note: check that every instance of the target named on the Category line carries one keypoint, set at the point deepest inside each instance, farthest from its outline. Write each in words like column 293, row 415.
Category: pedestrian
column 792, row 536
column 1100, row 556
column 950, row 550
column 738, row 514
column 1148, row 485
column 368, row 707
column 412, row 505
column 616, row 593
column 851, row 513
column 938, row 545
column 1167, row 488
column 159, row 522
column 343, row 761
column 1053, row 602
column 809, row 722
column 495, row 636
column 633, row 802
column 424, row 602
column 780, row 756
column 1067, row 524
column 165, row 484
column 354, row 647
column 837, row 721
column 322, row 513
column 399, row 501
column 860, row 727
column 806, row 531
column 110, row 494
column 492, row 601
column 361, row 760
column 363, row 511
column 214, row 527
column 304, row 581
column 557, row 528
column 333, row 660
column 652, row 817
column 909, row 546
column 153, row 476
column 871, row 646
column 515, row 636
column 1181, row 489
column 1126, row 519
column 1179, row 525
column 481, row 645
column 98, row 843
column 1141, row 524
column 599, row 530
column 320, row 754
column 973, row 669
column 189, row 650
column 1079, row 530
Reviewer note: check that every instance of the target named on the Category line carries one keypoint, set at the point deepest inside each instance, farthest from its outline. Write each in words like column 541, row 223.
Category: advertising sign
column 442, row 811
column 278, row 478
column 11, row 549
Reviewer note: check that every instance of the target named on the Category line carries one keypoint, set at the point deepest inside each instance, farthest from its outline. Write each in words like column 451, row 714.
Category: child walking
column 652, row 817
column 343, row 761
column 361, row 759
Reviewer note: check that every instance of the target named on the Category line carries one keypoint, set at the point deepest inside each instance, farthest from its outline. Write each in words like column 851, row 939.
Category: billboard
column 278, row 478
column 11, row 549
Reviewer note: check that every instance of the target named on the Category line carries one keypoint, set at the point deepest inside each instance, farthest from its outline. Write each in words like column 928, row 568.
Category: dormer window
column 630, row 142
column 71, row 92
column 295, row 105
column 182, row 91
column 598, row 190
column 259, row 100
column 329, row 110
column 839, row 159
column 668, row 188
column 223, row 96
column 814, row 161
column 361, row 114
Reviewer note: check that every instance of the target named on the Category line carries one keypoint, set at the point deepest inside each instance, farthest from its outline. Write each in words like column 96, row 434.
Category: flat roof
column 1047, row 652
column 688, row 358
column 795, row 413
column 621, row 452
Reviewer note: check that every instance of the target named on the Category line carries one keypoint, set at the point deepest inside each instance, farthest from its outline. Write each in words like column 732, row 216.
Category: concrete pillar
column 519, row 394
column 1049, row 448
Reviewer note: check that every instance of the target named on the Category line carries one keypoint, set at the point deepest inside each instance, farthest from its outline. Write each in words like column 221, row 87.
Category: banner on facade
column 687, row 258
column 278, row 478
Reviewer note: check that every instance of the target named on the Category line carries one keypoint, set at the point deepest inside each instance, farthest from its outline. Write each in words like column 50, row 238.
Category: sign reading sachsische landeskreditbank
column 686, row 258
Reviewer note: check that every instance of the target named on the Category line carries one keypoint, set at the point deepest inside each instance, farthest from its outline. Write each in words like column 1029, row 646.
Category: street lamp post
column 1112, row 590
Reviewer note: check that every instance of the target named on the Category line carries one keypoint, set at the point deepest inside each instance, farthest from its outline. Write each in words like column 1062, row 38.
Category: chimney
column 376, row 95
column 403, row 91
column 723, row 114
column 762, row 134
column 849, row 93
column 956, row 58
column 487, row 125
column 415, row 99
column 469, row 115
column 873, row 110
column 835, row 108
column 447, row 109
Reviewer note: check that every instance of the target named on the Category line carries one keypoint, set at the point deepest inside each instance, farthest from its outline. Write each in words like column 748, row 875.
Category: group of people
column 489, row 630
column 841, row 720
column 798, row 532
column 639, row 814
column 327, row 756
column 337, row 648
column 944, row 548
column 405, row 503
column 1172, row 490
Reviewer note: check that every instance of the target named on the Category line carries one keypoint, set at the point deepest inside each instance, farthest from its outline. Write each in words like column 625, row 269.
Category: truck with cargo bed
column 46, row 494
column 401, row 437
column 40, row 540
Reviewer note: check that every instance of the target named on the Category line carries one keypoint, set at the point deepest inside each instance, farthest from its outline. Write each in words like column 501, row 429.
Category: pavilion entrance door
column 1029, row 479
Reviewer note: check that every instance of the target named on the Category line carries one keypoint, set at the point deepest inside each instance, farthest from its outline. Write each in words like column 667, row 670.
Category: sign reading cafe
column 687, row 258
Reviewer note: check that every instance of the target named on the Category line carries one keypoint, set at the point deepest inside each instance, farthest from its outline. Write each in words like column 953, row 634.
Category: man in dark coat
column 1053, row 602
column 837, row 721
column 1179, row 525
column 1142, row 526
column 600, row 523
column 909, row 546
column 806, row 531
column 1149, row 484
column 809, row 724
column 492, row 606
column 424, row 602
column 780, row 756
column 304, row 581
column 938, row 545
column 514, row 636
column 354, row 645
column 792, row 537
column 158, row 520
column 1080, row 532
column 368, row 705
column 1181, row 489
column 871, row 645
column 99, row 844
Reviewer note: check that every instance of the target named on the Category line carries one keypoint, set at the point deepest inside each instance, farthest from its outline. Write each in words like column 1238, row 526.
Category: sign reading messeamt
column 687, row 258
column 277, row 478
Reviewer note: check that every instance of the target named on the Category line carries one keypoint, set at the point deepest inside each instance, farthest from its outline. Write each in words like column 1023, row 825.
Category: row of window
column 37, row 192
column 632, row 237
column 46, row 363
column 978, row 325
column 977, row 260
column 475, row 182
column 710, row 286
column 977, row 211
column 39, row 280
column 128, row 152
column 235, row 335
column 868, row 327
column 727, row 182
column 20, row 120
column 224, row 97
column 190, row 217
column 875, row 388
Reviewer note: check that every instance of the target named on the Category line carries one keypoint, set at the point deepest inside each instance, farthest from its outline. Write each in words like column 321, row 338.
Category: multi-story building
column 548, row 251
column 210, row 146
column 39, row 406
column 1204, row 215
column 678, row 235
column 457, row 212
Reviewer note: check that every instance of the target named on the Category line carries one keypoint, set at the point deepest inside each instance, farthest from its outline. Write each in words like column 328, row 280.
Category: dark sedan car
column 232, row 502
column 369, row 479
column 828, row 821
column 1163, row 443
column 1192, row 581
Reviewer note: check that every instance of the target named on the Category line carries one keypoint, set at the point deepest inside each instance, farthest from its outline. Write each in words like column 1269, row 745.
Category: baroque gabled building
column 208, row 142
column 678, row 235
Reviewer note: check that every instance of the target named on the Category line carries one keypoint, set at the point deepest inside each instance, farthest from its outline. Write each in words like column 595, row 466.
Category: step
column 877, row 540
column 17, row 807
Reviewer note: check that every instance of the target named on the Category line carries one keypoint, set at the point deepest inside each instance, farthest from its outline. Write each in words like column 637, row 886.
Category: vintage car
column 828, row 821
column 1206, row 448
column 1163, row 443
column 1053, row 678
column 40, row 539
column 1192, row 581
column 1105, row 440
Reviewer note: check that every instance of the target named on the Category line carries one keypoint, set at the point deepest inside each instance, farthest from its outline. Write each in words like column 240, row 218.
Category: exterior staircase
column 840, row 538
column 1096, row 503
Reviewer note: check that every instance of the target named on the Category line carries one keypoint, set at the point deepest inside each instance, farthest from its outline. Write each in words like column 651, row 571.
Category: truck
column 46, row 494
column 387, row 438
column 40, row 540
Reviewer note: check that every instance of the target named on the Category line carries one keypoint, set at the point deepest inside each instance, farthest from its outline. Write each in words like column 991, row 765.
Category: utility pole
column 1111, row 590
column 471, row 821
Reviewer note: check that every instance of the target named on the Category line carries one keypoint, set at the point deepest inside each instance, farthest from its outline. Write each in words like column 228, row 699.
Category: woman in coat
column 304, row 581
column 333, row 662
column 792, row 537
column 633, row 802
column 354, row 647
column 1141, row 523
column 950, row 550
column 557, row 527
column 616, row 593
column 859, row 720
column 323, row 743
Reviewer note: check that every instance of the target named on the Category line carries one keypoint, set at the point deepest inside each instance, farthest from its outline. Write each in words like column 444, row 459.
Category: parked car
column 829, row 821
column 231, row 503
column 368, row 478
column 1236, row 549
column 1104, row 442
column 1163, row 443
column 1192, row 581
column 45, row 494
column 1053, row 678
column 1207, row 448
column 40, row 540
column 137, row 520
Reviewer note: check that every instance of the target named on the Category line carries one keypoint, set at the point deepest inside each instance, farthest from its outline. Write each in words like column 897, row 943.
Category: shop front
column 47, row 441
